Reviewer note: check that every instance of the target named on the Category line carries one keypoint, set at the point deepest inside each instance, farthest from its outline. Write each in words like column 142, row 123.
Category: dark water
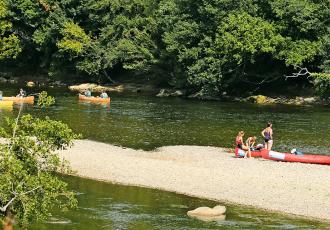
column 149, row 122
column 107, row 206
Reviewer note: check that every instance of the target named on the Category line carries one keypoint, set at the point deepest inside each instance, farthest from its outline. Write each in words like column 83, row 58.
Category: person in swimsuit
column 267, row 133
column 239, row 142
column 250, row 142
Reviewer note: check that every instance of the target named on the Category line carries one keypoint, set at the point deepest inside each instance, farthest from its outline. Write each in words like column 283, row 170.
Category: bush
column 322, row 84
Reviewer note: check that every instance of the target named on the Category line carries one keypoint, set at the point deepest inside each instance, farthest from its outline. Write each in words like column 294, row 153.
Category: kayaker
column 22, row 93
column 87, row 93
column 267, row 133
column 104, row 95
column 240, row 144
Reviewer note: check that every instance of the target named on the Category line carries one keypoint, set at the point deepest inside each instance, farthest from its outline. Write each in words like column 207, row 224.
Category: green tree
column 9, row 42
column 123, row 38
column 29, row 185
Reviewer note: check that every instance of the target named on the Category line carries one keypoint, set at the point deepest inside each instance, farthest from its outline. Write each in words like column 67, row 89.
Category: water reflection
column 108, row 206
column 148, row 122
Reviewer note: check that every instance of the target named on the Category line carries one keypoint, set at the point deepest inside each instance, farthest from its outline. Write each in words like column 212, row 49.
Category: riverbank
column 211, row 173
column 185, row 93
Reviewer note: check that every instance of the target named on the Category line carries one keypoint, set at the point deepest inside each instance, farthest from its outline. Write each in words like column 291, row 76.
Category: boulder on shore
column 260, row 99
column 119, row 88
column 170, row 93
column 30, row 84
column 209, row 214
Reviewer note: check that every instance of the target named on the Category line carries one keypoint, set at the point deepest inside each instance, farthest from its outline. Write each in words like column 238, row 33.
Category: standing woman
column 267, row 133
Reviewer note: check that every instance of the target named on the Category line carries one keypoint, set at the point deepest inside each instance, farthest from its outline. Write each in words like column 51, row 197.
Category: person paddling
column 22, row 93
column 267, row 133
column 87, row 93
column 104, row 95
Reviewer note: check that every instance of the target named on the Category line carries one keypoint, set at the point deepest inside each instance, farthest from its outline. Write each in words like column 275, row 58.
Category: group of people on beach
column 249, row 145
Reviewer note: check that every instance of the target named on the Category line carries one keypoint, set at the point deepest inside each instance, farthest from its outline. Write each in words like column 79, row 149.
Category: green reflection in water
column 149, row 122
column 108, row 206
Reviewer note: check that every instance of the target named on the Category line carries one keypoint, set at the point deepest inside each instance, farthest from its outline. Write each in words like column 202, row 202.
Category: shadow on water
column 108, row 206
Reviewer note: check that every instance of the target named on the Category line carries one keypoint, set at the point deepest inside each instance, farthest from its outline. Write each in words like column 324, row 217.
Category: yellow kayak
column 6, row 103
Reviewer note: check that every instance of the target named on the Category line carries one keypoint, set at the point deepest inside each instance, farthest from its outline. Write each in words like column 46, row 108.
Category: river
column 148, row 122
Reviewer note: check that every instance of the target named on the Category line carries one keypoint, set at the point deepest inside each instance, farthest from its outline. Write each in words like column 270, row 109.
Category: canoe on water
column 6, row 103
column 289, row 157
column 94, row 99
column 29, row 99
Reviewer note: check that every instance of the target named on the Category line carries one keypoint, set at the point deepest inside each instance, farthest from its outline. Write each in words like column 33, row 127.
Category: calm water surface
column 148, row 122
column 107, row 206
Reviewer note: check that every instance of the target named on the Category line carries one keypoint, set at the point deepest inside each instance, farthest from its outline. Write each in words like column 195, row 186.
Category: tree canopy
column 210, row 45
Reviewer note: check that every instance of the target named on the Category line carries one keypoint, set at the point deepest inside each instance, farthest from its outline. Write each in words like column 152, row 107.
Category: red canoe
column 288, row 157
column 241, row 153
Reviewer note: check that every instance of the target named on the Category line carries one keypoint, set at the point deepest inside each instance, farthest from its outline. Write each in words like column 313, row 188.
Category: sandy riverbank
column 211, row 173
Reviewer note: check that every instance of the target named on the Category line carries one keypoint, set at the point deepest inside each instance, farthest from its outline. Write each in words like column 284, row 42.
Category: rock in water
column 30, row 84
column 208, row 214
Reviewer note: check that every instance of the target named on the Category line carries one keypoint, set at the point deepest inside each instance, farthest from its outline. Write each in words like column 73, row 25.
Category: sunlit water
column 148, row 122
column 107, row 206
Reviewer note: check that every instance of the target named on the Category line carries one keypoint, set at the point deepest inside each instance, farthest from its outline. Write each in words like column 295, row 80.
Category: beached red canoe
column 241, row 153
column 288, row 157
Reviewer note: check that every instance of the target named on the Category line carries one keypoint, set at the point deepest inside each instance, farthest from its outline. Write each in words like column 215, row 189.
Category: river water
column 108, row 206
column 147, row 122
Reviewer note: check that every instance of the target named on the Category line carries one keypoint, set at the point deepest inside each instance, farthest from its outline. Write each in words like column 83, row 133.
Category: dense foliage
column 29, row 186
column 213, row 45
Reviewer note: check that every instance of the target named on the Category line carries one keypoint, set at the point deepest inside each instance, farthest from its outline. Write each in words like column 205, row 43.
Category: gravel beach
column 209, row 172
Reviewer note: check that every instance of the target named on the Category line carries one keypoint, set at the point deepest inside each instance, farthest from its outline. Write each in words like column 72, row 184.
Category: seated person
column 22, row 93
column 87, row 93
column 104, row 95
column 240, row 144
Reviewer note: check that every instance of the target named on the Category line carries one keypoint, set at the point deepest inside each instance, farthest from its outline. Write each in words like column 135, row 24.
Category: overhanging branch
column 302, row 72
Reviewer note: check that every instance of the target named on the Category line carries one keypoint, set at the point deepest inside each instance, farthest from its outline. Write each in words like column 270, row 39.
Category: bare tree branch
column 4, row 208
column 302, row 72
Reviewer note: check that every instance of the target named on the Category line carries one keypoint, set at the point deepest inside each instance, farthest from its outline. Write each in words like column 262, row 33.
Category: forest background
column 211, row 46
